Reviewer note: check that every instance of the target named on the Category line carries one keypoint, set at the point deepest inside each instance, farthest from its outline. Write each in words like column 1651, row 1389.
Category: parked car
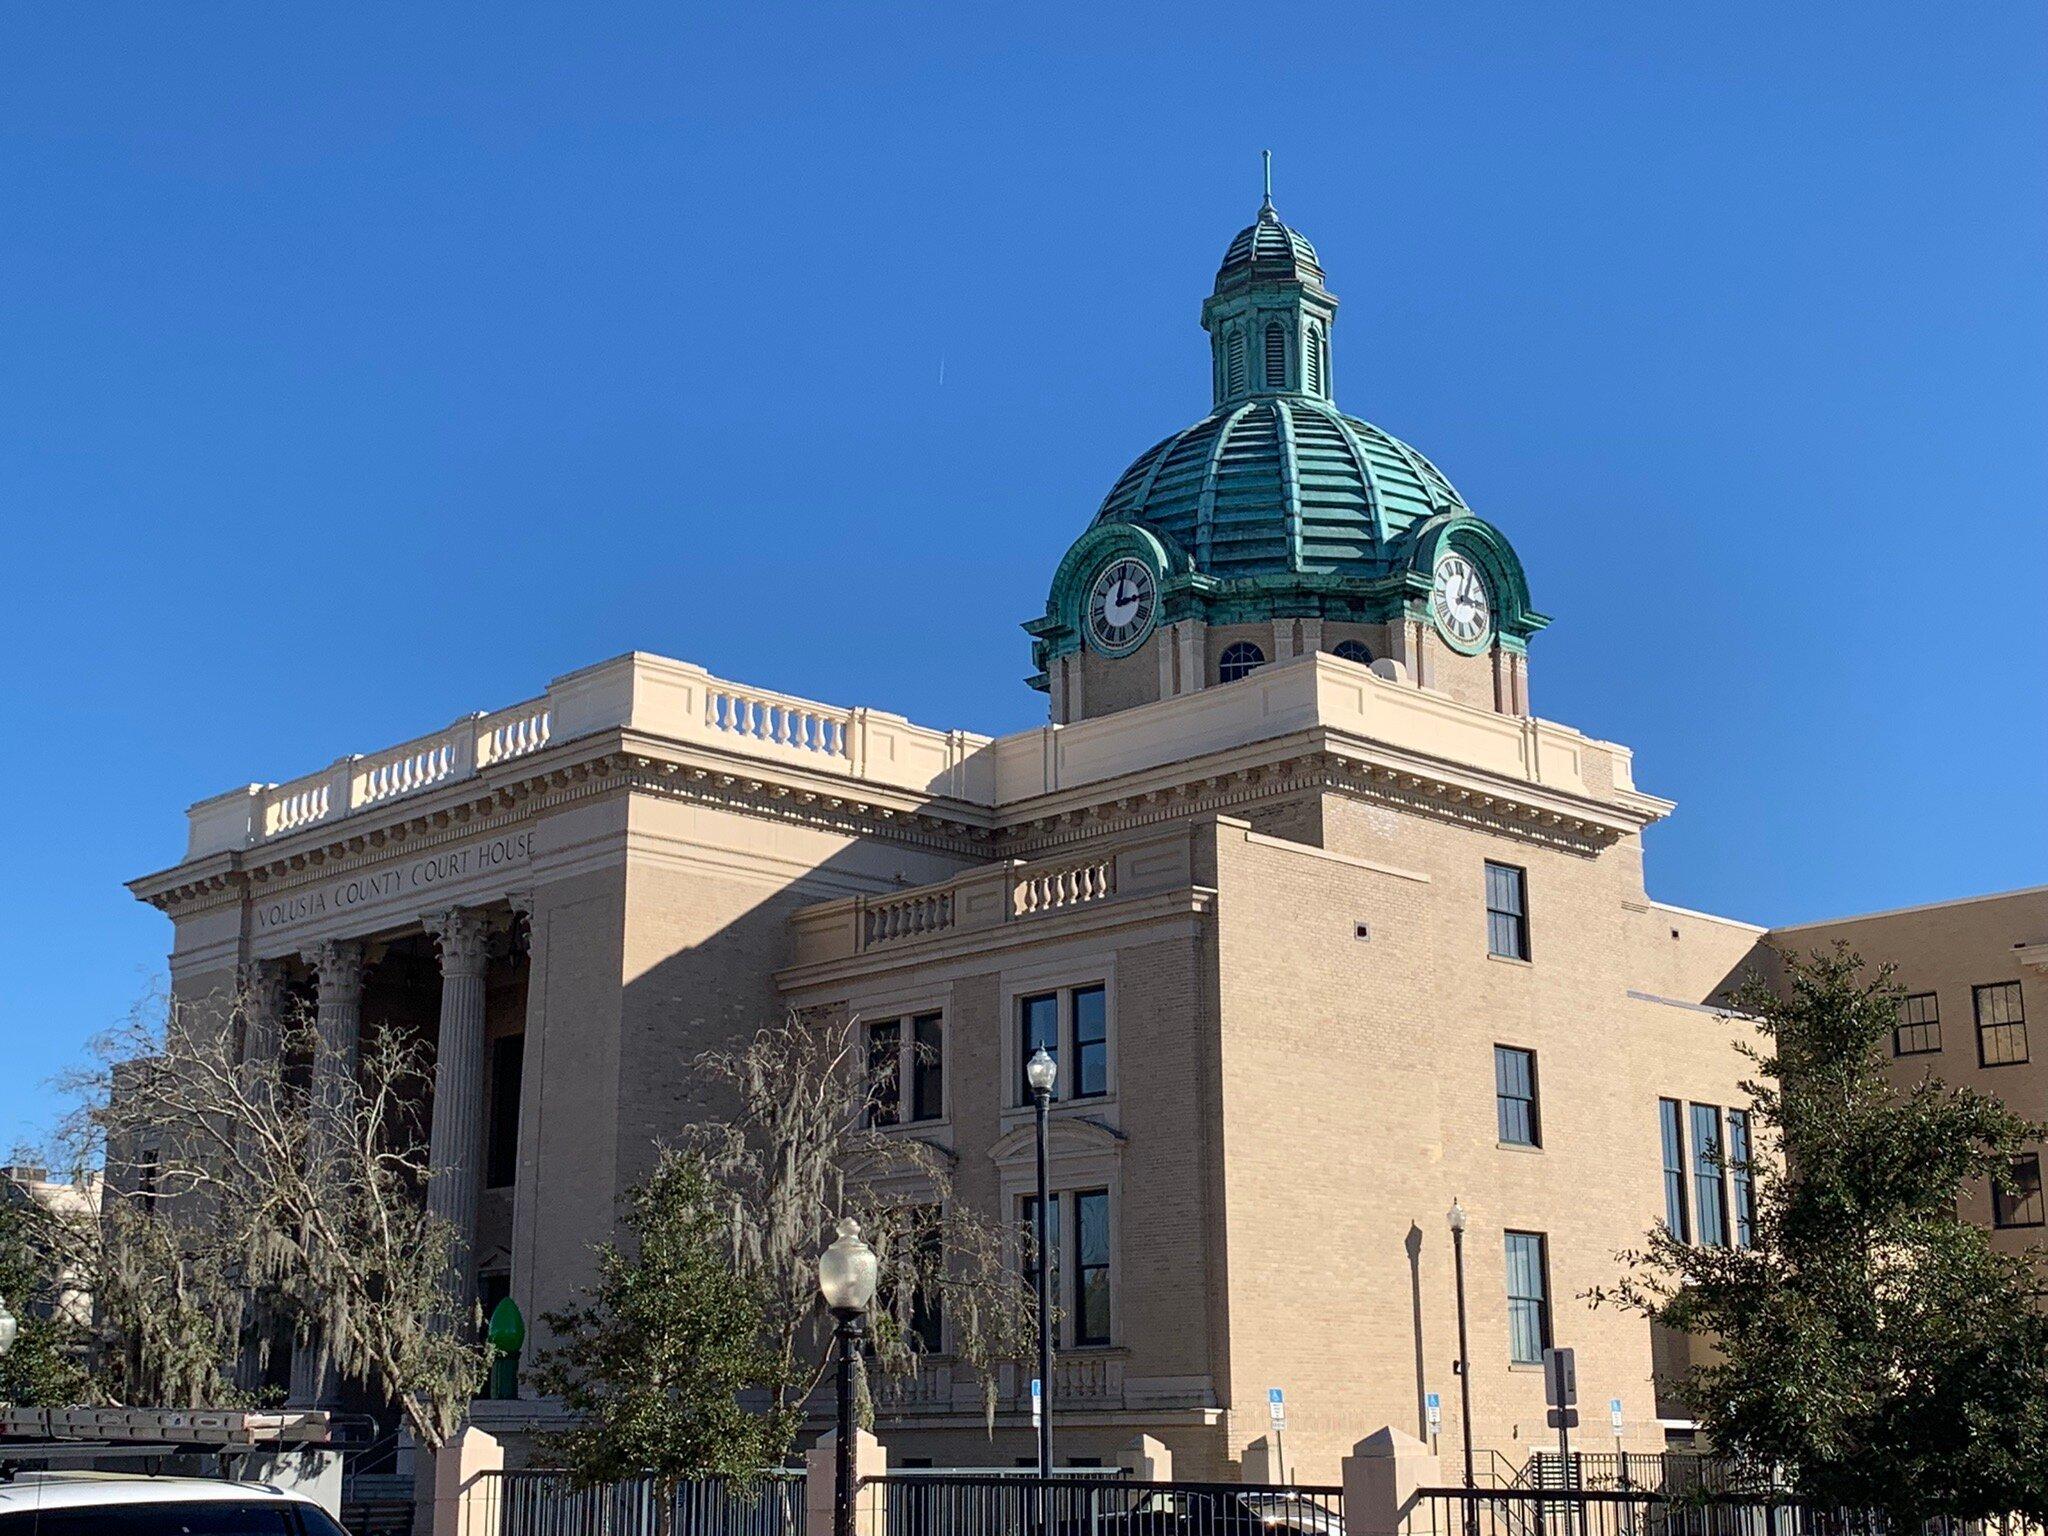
column 1216, row 1511
column 120, row 1504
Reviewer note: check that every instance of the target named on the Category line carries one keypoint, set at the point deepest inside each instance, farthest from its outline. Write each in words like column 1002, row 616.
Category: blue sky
column 362, row 366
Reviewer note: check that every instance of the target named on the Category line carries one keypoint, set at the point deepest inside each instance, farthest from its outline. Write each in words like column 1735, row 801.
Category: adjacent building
column 1325, row 927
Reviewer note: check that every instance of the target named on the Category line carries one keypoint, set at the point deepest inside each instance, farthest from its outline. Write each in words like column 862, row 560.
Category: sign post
column 1435, row 1404
column 1620, row 1456
column 1276, row 1408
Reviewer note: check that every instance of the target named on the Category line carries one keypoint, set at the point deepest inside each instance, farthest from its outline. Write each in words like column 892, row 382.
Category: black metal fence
column 947, row 1504
column 551, row 1504
column 1613, row 1512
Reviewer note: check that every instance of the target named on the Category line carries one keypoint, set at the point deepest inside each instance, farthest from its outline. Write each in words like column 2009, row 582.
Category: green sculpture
column 507, row 1336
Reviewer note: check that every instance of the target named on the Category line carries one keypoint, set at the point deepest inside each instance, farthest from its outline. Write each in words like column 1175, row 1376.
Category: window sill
column 1516, row 1146
column 1993, row 1066
column 1509, row 960
column 1526, row 1370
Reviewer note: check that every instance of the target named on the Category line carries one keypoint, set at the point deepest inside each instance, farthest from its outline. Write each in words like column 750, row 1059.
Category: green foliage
column 45, row 1368
column 1872, row 1346
column 654, row 1356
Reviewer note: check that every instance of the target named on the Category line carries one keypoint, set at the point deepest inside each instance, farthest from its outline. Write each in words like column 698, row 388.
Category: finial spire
column 1267, row 156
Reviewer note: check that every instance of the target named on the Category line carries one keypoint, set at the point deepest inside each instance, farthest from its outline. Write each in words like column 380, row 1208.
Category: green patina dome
column 1277, row 504
column 1281, row 484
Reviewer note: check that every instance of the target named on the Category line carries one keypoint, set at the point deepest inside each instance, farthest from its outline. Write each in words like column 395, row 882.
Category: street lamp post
column 846, row 1279
column 1457, row 1219
column 1041, row 1072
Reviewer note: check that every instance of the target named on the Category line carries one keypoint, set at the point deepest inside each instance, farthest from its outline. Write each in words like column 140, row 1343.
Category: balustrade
column 775, row 719
column 1048, row 890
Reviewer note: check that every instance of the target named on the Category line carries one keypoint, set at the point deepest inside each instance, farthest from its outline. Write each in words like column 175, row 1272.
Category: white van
column 117, row 1504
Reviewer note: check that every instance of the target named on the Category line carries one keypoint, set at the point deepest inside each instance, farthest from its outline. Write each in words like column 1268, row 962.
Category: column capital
column 463, row 935
column 339, row 965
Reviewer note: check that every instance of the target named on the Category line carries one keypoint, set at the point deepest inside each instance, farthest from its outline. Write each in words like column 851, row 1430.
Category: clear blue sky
column 361, row 366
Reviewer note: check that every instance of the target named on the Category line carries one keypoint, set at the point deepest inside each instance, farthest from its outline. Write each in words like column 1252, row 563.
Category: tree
column 802, row 1142
column 46, row 1367
column 1872, row 1349
column 230, row 1180
column 653, row 1359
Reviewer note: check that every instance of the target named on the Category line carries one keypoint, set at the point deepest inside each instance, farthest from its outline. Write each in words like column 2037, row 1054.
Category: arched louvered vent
column 1239, row 660
column 1233, row 383
column 1314, row 360
column 1353, row 650
column 1276, row 357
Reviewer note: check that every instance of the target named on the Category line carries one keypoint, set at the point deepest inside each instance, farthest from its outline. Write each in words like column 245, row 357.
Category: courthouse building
column 1324, row 925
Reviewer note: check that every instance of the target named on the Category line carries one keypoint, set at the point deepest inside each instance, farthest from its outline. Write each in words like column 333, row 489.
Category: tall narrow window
column 501, row 1145
column 2019, row 1206
column 1027, row 1247
column 1671, row 1123
column 1091, row 1042
column 1038, row 1026
column 1507, row 912
column 926, row 1323
column 1528, row 1297
column 1276, row 357
column 1091, row 1266
column 927, row 1067
column 1233, row 373
column 1710, row 1197
column 1918, row 1031
column 2001, row 1024
column 1514, row 1096
column 885, row 1084
column 1314, row 358
column 1239, row 660
column 146, row 1174
column 1740, row 1186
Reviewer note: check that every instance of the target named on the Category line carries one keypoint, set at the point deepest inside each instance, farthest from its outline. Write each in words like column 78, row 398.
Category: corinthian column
column 338, row 1023
column 455, row 1141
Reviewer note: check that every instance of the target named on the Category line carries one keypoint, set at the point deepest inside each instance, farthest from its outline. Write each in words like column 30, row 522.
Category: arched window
column 1276, row 357
column 1239, row 660
column 1313, row 357
column 1234, row 373
column 1353, row 650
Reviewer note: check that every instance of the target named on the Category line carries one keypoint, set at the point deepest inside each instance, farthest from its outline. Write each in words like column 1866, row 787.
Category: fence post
column 1380, row 1478
column 820, row 1467
column 1147, row 1460
column 465, row 1502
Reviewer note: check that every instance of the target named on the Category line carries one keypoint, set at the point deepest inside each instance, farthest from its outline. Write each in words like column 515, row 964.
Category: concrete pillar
column 455, row 1141
column 1381, row 1476
column 263, row 1019
column 338, row 1025
column 1147, row 1460
column 466, row 1499
column 869, row 1460
column 1260, row 1464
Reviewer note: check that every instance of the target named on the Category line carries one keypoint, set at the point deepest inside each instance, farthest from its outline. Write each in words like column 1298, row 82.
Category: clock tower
column 1277, row 526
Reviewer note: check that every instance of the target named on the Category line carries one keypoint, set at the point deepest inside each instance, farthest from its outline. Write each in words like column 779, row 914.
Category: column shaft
column 338, row 1024
column 455, row 1145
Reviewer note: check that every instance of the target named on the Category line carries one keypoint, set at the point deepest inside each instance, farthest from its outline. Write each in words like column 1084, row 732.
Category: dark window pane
column 927, row 1068
column 1709, row 1198
column 1671, row 1125
column 927, row 1321
column 2022, row 1205
column 2001, row 1024
column 885, row 1101
column 1239, row 660
column 1919, row 1028
column 1038, row 1025
column 1739, row 1177
column 1514, row 1082
column 1528, row 1298
column 1507, row 912
column 1091, row 1268
column 1091, row 1042
column 508, row 1068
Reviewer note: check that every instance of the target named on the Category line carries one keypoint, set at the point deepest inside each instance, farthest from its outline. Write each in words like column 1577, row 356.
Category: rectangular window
column 1038, row 1027
column 885, row 1084
column 1918, row 1031
column 1091, row 1267
column 927, row 1320
column 501, row 1145
column 927, row 1067
column 1739, row 1182
column 2001, row 1024
column 1507, row 912
column 1091, row 1043
column 1671, row 1123
column 146, row 1176
column 1528, row 1297
column 1514, row 1096
column 1027, row 1244
column 2021, row 1206
column 1710, row 1197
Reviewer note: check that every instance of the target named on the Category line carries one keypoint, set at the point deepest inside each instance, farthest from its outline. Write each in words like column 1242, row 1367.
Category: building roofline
column 1708, row 917
column 1925, row 906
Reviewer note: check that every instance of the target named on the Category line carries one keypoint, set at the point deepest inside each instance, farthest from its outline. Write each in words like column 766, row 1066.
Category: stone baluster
column 338, row 1026
column 456, row 1138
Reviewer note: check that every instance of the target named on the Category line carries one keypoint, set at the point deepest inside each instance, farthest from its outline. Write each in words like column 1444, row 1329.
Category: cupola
column 1269, row 317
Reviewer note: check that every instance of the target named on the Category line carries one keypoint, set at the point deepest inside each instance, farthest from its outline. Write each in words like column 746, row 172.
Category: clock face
column 1121, row 606
column 1464, row 606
